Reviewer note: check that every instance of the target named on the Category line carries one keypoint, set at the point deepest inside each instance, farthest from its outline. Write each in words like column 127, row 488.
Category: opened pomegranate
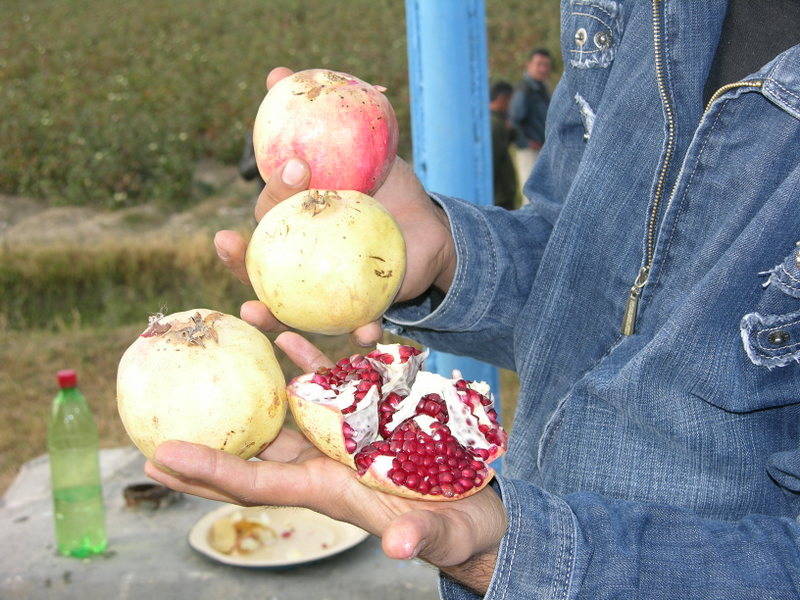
column 326, row 261
column 204, row 377
column 343, row 127
column 405, row 431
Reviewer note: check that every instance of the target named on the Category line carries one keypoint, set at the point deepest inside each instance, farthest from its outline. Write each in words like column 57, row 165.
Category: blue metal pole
column 449, row 83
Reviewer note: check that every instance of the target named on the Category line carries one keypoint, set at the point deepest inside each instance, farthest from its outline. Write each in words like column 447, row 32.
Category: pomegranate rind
column 381, row 483
column 205, row 377
column 322, row 425
column 327, row 262
column 343, row 127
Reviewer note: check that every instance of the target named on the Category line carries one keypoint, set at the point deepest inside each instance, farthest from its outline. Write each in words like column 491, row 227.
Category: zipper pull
column 632, row 304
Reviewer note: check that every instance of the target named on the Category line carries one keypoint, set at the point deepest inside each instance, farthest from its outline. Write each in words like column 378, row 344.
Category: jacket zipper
column 729, row 86
column 632, row 303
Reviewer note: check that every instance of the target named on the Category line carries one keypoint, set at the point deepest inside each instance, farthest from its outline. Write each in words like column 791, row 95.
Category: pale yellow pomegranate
column 204, row 377
column 327, row 261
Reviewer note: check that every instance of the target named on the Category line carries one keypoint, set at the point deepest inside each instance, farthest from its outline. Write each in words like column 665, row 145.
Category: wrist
column 446, row 258
column 476, row 572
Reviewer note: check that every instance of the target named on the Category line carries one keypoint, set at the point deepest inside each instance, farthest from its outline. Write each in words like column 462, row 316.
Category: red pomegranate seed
column 350, row 445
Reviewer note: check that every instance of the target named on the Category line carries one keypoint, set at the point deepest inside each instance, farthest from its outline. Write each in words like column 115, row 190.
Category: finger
column 258, row 315
column 442, row 537
column 302, row 352
column 367, row 335
column 276, row 75
column 181, row 485
column 249, row 482
column 231, row 249
column 287, row 180
column 286, row 447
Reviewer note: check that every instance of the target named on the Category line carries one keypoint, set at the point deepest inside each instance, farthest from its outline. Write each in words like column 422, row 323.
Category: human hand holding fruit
column 430, row 259
column 460, row 537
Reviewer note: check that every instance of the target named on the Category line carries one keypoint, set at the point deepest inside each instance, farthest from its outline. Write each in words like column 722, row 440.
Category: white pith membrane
column 415, row 445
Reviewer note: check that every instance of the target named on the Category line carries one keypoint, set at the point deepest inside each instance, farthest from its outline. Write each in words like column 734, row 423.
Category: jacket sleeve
column 586, row 547
column 497, row 256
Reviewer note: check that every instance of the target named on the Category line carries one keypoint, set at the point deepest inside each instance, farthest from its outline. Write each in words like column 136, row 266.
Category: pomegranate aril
column 350, row 445
column 423, row 487
column 447, row 490
column 412, row 481
column 469, row 473
column 398, row 477
column 435, row 490
column 458, row 488
column 409, row 467
column 466, row 484
column 446, row 477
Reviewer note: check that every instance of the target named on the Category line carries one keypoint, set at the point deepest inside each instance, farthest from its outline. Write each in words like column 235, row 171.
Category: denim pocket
column 591, row 33
column 773, row 340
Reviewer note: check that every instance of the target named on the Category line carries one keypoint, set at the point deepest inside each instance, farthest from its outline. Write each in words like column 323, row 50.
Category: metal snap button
column 581, row 36
column 602, row 39
column 778, row 337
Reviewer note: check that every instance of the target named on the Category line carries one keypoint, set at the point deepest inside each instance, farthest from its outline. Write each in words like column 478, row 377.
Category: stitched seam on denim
column 682, row 208
column 782, row 348
column 513, row 543
column 595, row 6
column 561, row 579
column 493, row 268
column 789, row 275
column 574, row 544
column 791, row 110
column 595, row 18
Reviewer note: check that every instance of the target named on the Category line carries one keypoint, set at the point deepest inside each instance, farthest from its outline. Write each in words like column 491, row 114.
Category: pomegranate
column 326, row 261
column 343, row 127
column 405, row 431
column 204, row 377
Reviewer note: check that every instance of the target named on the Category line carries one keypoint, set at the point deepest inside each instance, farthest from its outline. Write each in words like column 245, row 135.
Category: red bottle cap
column 67, row 378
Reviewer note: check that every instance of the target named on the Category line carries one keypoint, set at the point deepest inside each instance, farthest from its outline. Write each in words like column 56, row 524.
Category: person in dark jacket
column 505, row 179
column 529, row 110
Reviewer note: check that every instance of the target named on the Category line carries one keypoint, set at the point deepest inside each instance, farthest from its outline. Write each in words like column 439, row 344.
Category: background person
column 505, row 179
column 528, row 112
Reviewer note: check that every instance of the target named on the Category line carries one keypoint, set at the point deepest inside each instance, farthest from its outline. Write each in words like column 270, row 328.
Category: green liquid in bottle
column 72, row 441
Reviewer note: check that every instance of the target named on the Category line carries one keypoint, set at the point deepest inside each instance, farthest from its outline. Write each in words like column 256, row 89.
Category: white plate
column 314, row 537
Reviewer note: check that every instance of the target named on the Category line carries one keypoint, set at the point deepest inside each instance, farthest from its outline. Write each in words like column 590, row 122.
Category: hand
column 460, row 537
column 430, row 255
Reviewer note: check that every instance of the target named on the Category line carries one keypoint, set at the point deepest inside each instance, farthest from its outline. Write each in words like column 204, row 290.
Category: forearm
column 475, row 573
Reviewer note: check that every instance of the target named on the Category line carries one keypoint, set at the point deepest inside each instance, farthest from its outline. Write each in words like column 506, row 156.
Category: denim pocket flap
column 591, row 33
column 786, row 275
column 771, row 340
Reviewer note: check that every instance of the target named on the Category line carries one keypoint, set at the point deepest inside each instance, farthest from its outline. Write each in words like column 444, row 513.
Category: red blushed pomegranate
column 344, row 128
column 405, row 431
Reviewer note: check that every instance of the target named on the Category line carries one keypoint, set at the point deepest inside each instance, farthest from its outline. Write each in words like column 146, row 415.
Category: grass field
column 112, row 103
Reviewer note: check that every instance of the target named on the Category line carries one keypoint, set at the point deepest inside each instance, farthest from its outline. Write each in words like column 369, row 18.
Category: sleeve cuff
column 537, row 554
column 470, row 294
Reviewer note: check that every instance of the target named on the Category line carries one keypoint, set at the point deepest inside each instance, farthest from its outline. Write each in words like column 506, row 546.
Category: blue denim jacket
column 662, row 464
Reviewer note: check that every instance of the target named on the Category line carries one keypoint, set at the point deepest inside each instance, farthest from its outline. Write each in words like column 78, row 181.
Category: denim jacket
column 662, row 464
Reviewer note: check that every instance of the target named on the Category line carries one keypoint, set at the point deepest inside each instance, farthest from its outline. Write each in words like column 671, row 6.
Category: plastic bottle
column 72, row 442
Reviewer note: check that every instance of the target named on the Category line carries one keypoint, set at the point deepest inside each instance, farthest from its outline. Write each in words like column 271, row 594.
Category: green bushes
column 112, row 103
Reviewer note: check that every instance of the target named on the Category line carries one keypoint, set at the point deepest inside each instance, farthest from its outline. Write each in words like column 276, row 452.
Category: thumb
column 287, row 180
column 440, row 538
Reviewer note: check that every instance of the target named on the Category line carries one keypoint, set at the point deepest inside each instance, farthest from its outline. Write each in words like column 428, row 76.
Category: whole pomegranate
column 204, row 377
column 406, row 432
column 343, row 127
column 327, row 262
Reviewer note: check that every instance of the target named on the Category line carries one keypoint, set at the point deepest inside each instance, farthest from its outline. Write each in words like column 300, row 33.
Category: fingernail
column 293, row 172
column 222, row 253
